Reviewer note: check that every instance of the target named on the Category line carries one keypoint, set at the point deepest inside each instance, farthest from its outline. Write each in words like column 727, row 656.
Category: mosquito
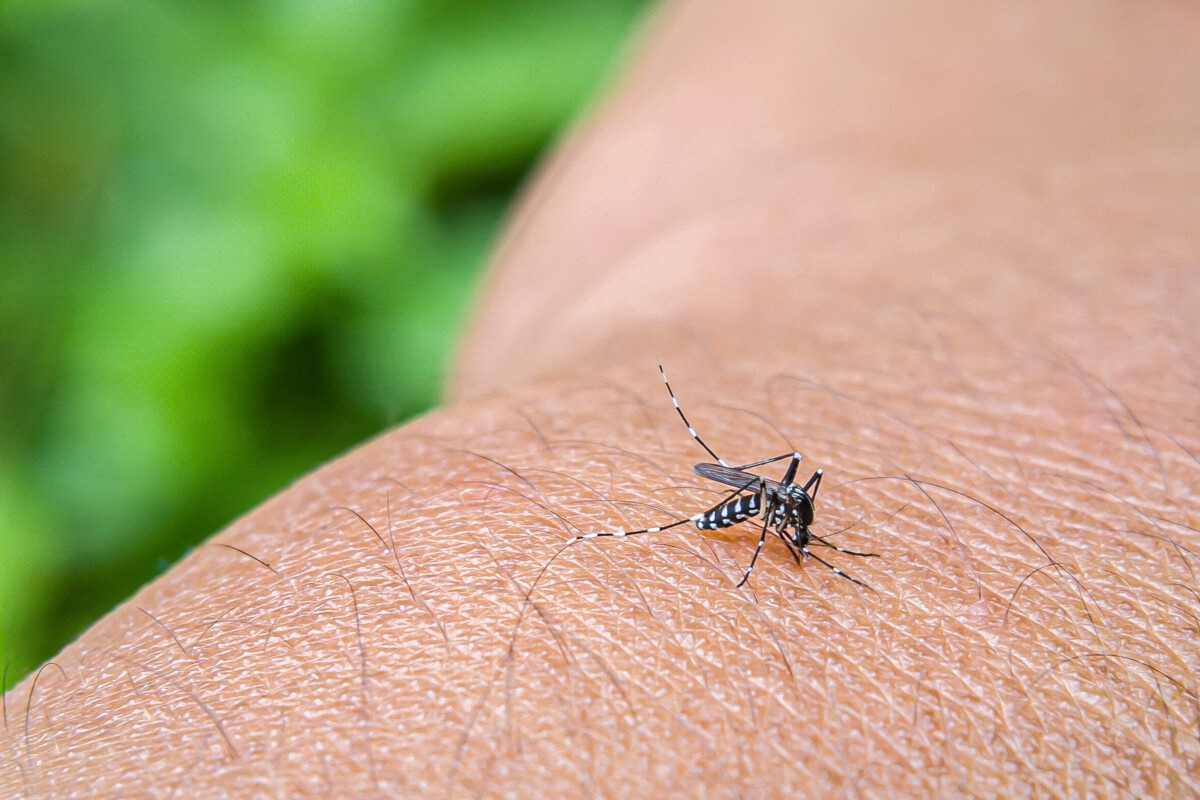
column 787, row 508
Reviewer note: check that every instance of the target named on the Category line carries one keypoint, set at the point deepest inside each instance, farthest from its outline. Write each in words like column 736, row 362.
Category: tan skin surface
column 948, row 252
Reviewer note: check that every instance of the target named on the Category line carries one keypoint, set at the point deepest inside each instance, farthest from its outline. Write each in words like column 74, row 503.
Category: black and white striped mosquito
column 787, row 508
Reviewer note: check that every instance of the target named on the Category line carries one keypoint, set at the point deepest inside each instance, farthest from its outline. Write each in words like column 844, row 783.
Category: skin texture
column 949, row 252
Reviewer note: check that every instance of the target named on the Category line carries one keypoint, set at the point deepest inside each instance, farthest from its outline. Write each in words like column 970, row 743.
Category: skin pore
column 948, row 252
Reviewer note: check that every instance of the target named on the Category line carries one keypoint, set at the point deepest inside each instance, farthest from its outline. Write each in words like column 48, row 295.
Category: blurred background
column 237, row 239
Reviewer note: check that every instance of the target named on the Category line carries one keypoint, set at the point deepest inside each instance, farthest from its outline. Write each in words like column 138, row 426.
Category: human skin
column 949, row 252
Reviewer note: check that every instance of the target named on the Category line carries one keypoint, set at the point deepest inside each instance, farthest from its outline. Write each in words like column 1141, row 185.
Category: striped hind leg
column 682, row 416
column 695, row 519
column 692, row 432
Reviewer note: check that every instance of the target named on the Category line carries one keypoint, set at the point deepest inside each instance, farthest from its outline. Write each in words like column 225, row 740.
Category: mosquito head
column 800, row 503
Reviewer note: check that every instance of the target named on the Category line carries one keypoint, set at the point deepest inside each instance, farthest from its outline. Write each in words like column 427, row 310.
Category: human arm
column 948, row 253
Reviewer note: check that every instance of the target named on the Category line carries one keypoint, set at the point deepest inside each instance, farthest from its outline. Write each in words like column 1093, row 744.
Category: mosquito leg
column 655, row 529
column 682, row 416
column 825, row 543
column 790, row 546
column 813, row 484
column 833, row 569
column 695, row 518
column 771, row 460
column 762, row 539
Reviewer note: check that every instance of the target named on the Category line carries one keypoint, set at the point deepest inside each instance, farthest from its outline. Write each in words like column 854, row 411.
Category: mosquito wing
column 732, row 477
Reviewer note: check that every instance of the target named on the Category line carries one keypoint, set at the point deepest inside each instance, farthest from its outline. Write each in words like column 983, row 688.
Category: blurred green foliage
column 236, row 239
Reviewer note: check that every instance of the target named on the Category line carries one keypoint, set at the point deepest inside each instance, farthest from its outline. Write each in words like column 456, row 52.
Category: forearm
column 995, row 369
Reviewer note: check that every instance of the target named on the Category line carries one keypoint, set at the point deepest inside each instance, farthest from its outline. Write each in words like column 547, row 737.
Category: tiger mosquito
column 787, row 508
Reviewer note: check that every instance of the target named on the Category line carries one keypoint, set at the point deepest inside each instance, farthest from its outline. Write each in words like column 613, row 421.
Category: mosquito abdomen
column 730, row 513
